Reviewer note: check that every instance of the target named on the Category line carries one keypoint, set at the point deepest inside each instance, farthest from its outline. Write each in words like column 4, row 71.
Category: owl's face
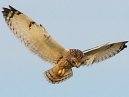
column 75, row 57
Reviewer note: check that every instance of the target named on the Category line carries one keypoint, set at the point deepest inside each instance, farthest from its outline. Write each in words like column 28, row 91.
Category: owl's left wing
column 103, row 52
column 34, row 36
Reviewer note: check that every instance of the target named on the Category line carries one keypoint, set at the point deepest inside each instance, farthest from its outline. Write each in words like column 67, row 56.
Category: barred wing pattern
column 34, row 36
column 101, row 53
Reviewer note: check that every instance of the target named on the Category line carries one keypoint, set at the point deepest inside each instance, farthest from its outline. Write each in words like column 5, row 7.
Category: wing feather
column 101, row 53
column 34, row 36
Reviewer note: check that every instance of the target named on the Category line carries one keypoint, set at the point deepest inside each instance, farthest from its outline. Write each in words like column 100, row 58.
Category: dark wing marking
column 34, row 36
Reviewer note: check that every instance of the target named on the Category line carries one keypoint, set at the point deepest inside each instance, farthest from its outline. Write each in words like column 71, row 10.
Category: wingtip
column 2, row 11
column 126, row 42
column 5, row 11
column 9, row 8
column 12, row 8
column 5, row 8
column 124, row 45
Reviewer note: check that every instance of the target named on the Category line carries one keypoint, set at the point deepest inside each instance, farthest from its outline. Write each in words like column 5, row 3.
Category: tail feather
column 52, row 76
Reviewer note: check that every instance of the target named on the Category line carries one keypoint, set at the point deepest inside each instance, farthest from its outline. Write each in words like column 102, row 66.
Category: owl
column 38, row 40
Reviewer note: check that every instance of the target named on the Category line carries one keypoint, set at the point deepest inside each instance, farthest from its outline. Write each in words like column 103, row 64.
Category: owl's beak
column 78, row 65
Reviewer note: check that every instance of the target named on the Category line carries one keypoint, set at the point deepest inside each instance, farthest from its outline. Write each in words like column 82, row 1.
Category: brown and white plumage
column 37, row 39
column 101, row 53
column 33, row 35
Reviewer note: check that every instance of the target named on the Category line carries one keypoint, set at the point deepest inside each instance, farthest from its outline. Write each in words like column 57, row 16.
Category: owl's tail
column 56, row 75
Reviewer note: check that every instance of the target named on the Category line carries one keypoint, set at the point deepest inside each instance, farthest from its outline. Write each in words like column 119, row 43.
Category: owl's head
column 75, row 56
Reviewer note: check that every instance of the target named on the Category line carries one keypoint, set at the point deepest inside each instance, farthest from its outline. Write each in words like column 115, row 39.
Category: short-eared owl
column 37, row 39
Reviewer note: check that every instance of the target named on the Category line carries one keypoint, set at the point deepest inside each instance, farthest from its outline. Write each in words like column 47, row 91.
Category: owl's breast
column 64, row 63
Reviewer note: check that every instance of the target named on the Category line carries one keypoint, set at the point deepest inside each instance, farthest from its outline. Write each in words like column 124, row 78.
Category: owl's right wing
column 104, row 52
column 34, row 36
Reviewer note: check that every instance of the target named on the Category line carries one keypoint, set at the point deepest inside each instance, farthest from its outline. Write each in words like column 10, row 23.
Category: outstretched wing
column 103, row 52
column 34, row 36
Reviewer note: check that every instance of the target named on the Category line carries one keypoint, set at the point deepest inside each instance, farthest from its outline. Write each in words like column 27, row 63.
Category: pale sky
column 81, row 24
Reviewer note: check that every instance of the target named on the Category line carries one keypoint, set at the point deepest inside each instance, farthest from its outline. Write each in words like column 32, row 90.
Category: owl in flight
column 37, row 39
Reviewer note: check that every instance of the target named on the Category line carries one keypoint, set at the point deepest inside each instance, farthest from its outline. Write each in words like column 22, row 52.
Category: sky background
column 81, row 24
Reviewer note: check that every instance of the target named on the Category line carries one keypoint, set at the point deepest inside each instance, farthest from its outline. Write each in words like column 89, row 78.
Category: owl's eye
column 73, row 62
